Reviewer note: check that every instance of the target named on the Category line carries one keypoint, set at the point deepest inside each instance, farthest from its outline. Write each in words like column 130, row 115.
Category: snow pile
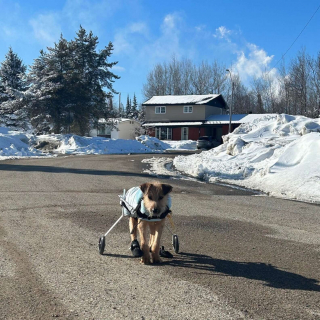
column 153, row 143
column 72, row 144
column 182, row 145
column 277, row 154
column 15, row 144
column 156, row 144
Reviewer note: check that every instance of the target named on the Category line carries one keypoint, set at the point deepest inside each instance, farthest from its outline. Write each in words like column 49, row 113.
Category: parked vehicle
column 207, row 142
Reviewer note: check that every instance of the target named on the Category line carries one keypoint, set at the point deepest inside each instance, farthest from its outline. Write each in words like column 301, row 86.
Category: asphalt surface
column 242, row 255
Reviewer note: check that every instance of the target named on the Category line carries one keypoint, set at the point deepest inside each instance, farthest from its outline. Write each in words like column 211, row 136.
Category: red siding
column 194, row 133
column 176, row 134
column 225, row 129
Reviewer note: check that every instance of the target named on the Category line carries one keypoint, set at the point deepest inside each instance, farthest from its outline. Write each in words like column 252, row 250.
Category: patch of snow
column 16, row 144
column 277, row 154
column 183, row 99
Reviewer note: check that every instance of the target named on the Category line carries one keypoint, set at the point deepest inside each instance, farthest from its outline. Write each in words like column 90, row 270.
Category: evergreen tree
column 49, row 95
column 12, row 71
column 67, row 85
column 128, row 108
column 92, row 74
column 12, row 85
column 134, row 108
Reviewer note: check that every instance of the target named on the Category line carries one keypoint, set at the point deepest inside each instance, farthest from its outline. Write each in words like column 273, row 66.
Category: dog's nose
column 155, row 210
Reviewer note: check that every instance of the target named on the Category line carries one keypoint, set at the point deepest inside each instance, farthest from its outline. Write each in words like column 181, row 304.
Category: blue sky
column 251, row 36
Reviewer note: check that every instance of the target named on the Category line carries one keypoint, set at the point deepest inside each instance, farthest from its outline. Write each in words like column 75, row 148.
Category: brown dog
column 155, row 197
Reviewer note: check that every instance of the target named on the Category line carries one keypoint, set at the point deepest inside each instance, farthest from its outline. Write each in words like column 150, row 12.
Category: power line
column 296, row 38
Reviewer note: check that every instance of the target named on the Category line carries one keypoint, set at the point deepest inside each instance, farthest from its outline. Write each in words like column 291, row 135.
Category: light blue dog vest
column 134, row 197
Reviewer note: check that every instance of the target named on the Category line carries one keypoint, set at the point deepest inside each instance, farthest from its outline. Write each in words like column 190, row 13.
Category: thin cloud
column 124, row 38
column 118, row 68
column 222, row 33
column 46, row 28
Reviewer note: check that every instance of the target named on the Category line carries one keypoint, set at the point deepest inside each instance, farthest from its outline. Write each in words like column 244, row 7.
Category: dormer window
column 160, row 110
column 187, row 109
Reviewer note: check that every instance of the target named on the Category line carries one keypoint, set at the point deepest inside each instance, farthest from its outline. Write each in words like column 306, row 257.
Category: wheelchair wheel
column 175, row 243
column 102, row 244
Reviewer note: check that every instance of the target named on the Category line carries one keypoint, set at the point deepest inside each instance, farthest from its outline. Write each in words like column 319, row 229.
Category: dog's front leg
column 143, row 232
column 155, row 248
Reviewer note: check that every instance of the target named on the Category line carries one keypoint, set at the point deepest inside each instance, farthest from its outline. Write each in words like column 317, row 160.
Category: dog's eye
column 160, row 198
column 150, row 198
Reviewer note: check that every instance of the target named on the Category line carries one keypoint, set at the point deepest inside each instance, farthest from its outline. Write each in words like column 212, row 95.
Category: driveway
column 243, row 255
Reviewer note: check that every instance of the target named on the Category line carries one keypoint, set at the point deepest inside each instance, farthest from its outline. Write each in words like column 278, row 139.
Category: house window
column 163, row 133
column 160, row 110
column 184, row 133
column 187, row 109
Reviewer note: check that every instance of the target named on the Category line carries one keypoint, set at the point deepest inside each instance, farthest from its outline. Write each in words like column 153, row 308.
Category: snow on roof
column 183, row 99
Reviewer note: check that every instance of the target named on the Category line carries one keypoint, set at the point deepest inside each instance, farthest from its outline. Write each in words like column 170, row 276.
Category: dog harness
column 134, row 197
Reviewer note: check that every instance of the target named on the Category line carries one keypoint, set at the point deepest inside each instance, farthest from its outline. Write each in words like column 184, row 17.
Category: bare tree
column 183, row 77
column 314, row 64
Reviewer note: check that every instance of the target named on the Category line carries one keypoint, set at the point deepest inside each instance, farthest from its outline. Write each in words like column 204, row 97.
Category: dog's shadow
column 271, row 275
column 115, row 255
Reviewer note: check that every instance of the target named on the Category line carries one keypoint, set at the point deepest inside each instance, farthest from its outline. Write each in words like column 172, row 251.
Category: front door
column 184, row 133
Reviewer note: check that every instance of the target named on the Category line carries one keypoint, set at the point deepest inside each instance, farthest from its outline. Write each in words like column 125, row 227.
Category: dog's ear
column 166, row 188
column 144, row 187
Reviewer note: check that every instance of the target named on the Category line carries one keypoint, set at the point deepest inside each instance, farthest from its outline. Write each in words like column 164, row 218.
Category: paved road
column 243, row 256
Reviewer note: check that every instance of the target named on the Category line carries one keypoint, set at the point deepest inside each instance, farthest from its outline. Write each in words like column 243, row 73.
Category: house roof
column 182, row 100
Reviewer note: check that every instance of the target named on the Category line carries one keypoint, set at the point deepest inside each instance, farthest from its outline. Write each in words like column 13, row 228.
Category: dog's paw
column 156, row 260
column 145, row 260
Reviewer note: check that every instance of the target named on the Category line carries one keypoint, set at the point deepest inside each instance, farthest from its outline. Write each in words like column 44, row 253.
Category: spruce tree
column 134, row 108
column 50, row 95
column 12, row 86
column 12, row 71
column 128, row 108
column 92, row 74
column 67, row 85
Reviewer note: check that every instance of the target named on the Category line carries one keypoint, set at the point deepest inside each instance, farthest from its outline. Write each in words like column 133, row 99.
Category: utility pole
column 120, row 104
column 230, row 108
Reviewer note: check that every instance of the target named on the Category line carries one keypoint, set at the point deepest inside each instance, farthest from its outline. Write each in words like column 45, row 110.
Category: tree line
column 293, row 89
column 67, row 89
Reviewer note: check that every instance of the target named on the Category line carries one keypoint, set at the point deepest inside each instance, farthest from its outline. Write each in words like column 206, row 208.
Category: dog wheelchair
column 128, row 210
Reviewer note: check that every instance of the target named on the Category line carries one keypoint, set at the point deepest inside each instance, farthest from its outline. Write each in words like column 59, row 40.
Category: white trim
column 183, row 136
column 172, row 124
column 188, row 109
column 158, row 133
column 160, row 108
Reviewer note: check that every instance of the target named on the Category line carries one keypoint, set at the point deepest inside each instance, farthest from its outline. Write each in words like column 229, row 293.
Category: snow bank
column 276, row 154
column 16, row 144
column 72, row 144
column 156, row 144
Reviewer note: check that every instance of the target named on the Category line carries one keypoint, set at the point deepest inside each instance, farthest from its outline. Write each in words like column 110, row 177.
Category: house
column 189, row 117
column 118, row 128
column 184, row 117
